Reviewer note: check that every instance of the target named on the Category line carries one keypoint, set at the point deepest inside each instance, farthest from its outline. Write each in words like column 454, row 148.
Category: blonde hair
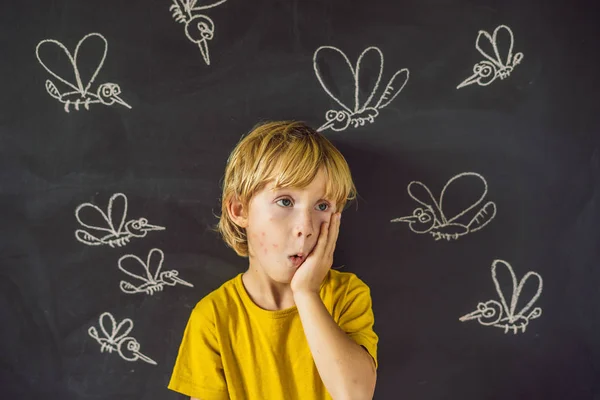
column 290, row 153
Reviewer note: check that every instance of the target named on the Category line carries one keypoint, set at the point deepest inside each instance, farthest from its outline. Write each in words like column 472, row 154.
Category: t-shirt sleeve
column 357, row 318
column 198, row 370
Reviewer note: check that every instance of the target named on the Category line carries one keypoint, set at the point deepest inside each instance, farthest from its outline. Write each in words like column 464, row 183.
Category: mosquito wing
column 123, row 329
column 498, row 48
column 504, row 42
column 530, row 283
column 97, row 222
column 117, row 211
column 93, row 59
column 335, row 74
column 91, row 216
column 505, row 282
column 130, row 288
column 42, row 55
column 154, row 262
column 111, row 330
column 461, row 194
column 487, row 47
column 90, row 239
column 393, row 88
column 90, row 53
column 179, row 12
column 367, row 76
column 422, row 195
column 510, row 290
column 133, row 266
column 193, row 4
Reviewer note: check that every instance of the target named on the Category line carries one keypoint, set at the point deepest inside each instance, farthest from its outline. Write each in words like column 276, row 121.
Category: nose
column 304, row 224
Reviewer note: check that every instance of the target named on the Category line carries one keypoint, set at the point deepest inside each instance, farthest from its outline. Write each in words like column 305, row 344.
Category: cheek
column 261, row 240
column 326, row 217
column 265, row 238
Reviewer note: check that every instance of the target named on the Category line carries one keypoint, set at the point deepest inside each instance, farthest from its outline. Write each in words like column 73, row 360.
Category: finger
column 321, row 245
column 334, row 230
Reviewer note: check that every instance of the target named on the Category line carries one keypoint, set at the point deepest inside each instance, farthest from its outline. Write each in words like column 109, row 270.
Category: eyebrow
column 290, row 189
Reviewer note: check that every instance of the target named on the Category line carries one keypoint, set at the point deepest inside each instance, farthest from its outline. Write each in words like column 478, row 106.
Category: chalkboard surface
column 472, row 132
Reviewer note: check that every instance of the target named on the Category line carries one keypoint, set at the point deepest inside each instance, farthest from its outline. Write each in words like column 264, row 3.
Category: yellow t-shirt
column 233, row 349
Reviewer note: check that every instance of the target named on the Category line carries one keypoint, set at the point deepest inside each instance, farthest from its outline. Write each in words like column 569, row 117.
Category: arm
column 198, row 372
column 347, row 370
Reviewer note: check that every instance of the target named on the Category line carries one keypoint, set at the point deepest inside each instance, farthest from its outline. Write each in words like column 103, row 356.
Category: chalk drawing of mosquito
column 432, row 219
column 106, row 93
column 114, row 231
column 495, row 66
column 502, row 314
column 115, row 338
column 361, row 111
column 152, row 282
column 199, row 28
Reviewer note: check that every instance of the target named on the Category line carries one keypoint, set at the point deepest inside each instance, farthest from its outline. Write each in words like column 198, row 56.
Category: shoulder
column 342, row 290
column 343, row 282
column 347, row 298
column 207, row 309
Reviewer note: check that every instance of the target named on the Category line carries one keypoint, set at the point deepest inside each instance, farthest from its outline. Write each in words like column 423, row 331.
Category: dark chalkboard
column 499, row 176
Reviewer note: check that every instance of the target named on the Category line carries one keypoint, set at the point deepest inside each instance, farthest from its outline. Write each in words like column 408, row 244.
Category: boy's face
column 285, row 222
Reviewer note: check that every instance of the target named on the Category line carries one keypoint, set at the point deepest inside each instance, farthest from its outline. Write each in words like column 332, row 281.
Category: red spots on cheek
column 262, row 244
column 275, row 245
column 260, row 240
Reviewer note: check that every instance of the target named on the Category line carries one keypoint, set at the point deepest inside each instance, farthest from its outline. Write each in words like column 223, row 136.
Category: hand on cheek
column 309, row 276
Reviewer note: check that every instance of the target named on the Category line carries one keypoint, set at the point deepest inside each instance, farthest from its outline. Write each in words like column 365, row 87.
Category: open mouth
column 296, row 259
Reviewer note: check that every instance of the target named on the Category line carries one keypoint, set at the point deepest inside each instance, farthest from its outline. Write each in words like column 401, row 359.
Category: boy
column 290, row 327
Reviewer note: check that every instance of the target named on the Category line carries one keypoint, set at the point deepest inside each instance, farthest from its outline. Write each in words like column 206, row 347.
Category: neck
column 265, row 292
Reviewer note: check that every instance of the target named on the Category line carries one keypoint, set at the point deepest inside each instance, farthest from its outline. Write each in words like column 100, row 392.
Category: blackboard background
column 534, row 137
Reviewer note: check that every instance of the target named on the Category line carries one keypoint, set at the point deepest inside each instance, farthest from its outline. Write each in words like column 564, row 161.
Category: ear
column 237, row 212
